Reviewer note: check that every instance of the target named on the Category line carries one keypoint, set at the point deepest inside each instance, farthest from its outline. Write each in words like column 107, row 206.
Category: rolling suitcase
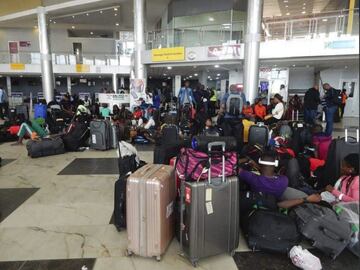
column 258, row 134
column 150, row 199
column 76, row 136
column 114, row 136
column 209, row 218
column 100, row 135
column 22, row 112
column 45, row 147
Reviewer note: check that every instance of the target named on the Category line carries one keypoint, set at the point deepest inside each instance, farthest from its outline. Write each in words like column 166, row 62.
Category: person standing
column 186, row 95
column 344, row 98
column 3, row 100
column 311, row 103
column 331, row 107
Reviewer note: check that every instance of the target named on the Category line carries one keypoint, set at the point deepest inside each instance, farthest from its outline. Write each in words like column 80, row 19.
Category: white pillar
column 8, row 85
column 122, row 82
column 139, row 34
column 252, row 48
column 45, row 54
column 68, row 80
column 203, row 78
column 177, row 85
column 223, row 87
column 115, row 83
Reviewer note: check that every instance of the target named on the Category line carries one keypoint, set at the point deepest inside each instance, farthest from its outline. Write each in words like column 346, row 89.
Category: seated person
column 105, row 111
column 116, row 113
column 346, row 188
column 260, row 111
column 31, row 129
column 248, row 110
column 209, row 129
column 278, row 112
column 277, row 185
column 146, row 124
column 66, row 106
column 138, row 113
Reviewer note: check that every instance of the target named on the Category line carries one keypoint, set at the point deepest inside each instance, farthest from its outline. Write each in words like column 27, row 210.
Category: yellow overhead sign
column 17, row 66
column 82, row 68
column 168, row 54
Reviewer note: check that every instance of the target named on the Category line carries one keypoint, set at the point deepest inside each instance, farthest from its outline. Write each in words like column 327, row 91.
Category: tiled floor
column 58, row 208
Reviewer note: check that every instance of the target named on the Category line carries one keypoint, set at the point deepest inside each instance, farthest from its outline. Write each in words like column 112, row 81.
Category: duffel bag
column 323, row 227
column 271, row 231
column 193, row 165
column 45, row 147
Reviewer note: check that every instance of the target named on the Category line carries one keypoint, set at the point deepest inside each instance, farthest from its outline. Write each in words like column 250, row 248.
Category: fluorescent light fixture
column 115, row 9
column 303, row 12
column 226, row 27
column 54, row 22
column 294, row 65
column 169, row 78
column 216, row 66
column 190, row 76
column 165, row 75
column 288, row 13
column 169, row 68
column 226, row 24
column 87, row 14
column 73, row 27
column 217, row 78
column 218, row 74
column 196, row 74
column 211, row 19
column 117, row 24
column 115, row 14
column 286, row 6
column 325, row 20
column 101, row 11
column 91, row 33
column 73, row 16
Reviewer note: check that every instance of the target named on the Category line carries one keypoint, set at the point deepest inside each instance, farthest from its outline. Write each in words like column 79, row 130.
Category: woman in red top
column 260, row 111
column 247, row 110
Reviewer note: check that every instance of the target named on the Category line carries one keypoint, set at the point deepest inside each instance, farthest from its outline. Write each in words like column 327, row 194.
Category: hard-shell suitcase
column 114, row 136
column 100, row 135
column 150, row 199
column 209, row 215
column 45, row 147
column 258, row 134
column 323, row 227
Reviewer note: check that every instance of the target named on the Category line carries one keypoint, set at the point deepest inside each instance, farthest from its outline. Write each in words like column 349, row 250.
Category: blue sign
column 340, row 44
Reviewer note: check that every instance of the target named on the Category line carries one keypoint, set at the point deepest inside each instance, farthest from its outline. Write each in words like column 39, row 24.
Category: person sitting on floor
column 209, row 129
column 277, row 185
column 248, row 111
column 278, row 112
column 260, row 111
column 346, row 188
column 30, row 129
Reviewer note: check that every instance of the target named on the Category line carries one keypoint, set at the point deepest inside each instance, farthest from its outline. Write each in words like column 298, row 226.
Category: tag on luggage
column 209, row 208
column 93, row 138
column 208, row 196
column 169, row 209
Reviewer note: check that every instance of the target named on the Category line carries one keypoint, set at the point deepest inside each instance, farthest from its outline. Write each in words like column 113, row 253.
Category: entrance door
column 352, row 90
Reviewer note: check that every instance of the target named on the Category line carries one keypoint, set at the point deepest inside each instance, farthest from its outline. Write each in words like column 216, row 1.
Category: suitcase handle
column 346, row 135
column 223, row 147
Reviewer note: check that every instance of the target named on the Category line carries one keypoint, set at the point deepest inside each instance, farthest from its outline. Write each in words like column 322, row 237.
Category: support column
column 139, row 29
column 203, row 78
column 8, row 85
column 177, row 85
column 45, row 54
column 351, row 17
column 252, row 48
column 115, row 83
column 68, row 80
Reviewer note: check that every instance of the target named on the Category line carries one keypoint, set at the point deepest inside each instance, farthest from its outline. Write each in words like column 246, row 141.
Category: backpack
column 336, row 97
column 234, row 104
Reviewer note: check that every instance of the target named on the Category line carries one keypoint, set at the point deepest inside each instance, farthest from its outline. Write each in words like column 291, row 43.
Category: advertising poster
column 138, row 93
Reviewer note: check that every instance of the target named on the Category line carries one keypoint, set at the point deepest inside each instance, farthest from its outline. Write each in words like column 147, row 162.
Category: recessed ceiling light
column 169, row 68
column 304, row 4
column 218, row 74
column 346, row 66
column 275, row 65
column 169, row 78
column 54, row 22
column 115, row 9
column 50, row 20
column 304, row 8
column 115, row 14
column 209, row 77
column 91, row 33
column 196, row 74
column 303, row 12
column 294, row 65
column 288, row 13
column 285, row 1
column 190, row 76
column 73, row 16
column 87, row 14
column 21, row 76
column 99, row 77
column 324, row 20
column 117, row 24
column 211, row 19
column 216, row 66
column 150, row 77
column 73, row 27
column 286, row 6
column 165, row 75
column 101, row 11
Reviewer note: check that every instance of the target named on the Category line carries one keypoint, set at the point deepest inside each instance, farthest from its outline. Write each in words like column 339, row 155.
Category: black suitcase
column 323, row 227
column 77, row 136
column 22, row 112
column 45, row 147
column 120, row 203
column 271, row 231
column 258, row 134
column 100, row 132
column 170, row 134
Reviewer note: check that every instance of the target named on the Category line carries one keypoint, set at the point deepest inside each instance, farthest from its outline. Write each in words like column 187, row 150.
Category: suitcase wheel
column 195, row 263
column 158, row 258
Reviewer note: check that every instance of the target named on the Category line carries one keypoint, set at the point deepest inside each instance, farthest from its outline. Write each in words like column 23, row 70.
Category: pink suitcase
column 150, row 198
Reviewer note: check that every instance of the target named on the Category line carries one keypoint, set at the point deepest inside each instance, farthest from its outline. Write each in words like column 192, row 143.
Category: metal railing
column 317, row 25
column 66, row 59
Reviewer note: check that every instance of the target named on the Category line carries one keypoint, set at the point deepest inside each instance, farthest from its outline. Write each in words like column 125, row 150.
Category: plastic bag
column 349, row 212
column 303, row 259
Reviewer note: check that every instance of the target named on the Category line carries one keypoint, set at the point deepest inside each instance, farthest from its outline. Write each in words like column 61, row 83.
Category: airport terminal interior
column 179, row 134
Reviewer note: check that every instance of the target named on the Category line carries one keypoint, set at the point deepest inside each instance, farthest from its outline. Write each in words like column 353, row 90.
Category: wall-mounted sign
column 126, row 36
column 17, row 66
column 227, row 51
column 168, row 54
column 340, row 44
column 82, row 68
column 24, row 43
column 13, row 47
column 191, row 55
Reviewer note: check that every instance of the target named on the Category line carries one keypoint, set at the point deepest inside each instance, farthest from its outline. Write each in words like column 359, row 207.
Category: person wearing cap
column 278, row 111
